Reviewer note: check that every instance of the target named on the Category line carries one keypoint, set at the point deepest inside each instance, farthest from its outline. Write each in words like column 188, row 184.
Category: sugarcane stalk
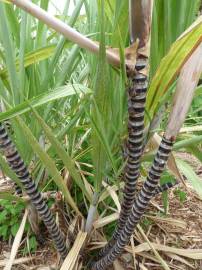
column 140, row 12
column 165, row 187
column 18, row 189
column 32, row 212
column 112, row 55
column 140, row 204
column 18, row 166
column 187, row 82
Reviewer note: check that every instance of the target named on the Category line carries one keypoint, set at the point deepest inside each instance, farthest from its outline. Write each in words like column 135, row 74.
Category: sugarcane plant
column 187, row 82
column 17, row 164
column 140, row 23
column 132, row 207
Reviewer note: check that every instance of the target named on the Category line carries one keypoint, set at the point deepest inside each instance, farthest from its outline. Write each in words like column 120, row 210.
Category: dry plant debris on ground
column 172, row 241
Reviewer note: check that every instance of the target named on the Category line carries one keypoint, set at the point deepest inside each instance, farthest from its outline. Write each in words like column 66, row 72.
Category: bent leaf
column 31, row 58
column 67, row 160
column 171, row 65
column 191, row 176
column 49, row 164
column 60, row 92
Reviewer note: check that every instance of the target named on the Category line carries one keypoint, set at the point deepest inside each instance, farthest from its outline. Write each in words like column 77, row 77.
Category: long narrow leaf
column 192, row 177
column 100, row 107
column 9, row 53
column 44, row 98
column 9, row 196
column 171, row 65
column 49, row 164
column 67, row 160
column 30, row 59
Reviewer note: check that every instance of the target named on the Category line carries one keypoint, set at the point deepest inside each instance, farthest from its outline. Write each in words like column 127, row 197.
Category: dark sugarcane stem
column 140, row 24
column 18, row 166
column 32, row 212
column 140, row 204
column 18, row 189
column 165, row 187
column 136, row 108
column 7, row 125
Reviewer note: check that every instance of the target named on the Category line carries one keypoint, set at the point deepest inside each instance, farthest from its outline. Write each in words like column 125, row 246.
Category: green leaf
column 3, row 231
column 100, row 133
column 20, row 205
column 198, row 91
column 191, row 176
column 3, row 215
column 30, row 59
column 9, row 53
column 49, row 164
column 188, row 142
column 58, row 93
column 13, row 22
column 68, row 65
column 171, row 65
column 32, row 243
column 117, row 15
column 15, row 228
column 67, row 160
column 41, row 33
column 22, row 49
column 171, row 17
column 196, row 152
column 181, row 194
column 60, row 46
column 100, row 106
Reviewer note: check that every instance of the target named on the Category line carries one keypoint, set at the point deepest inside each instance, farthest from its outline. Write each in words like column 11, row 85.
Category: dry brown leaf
column 175, row 222
column 157, row 255
column 73, row 255
column 87, row 185
column 113, row 195
column 101, row 222
column 113, row 188
column 17, row 261
column 186, row 84
column 188, row 253
column 180, row 259
column 142, row 267
column 191, row 129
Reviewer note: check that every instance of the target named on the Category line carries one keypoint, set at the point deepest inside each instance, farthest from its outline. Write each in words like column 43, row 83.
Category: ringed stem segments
column 18, row 166
column 136, row 110
column 140, row 204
